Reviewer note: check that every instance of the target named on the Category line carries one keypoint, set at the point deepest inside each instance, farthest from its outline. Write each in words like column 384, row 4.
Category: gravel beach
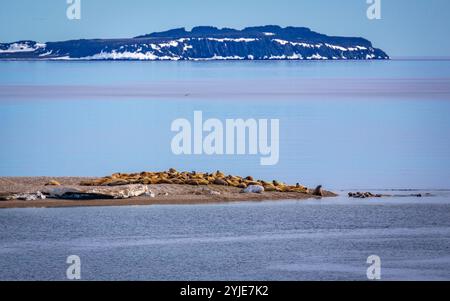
column 163, row 194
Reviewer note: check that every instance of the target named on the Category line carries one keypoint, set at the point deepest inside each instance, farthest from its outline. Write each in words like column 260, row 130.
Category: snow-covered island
column 202, row 43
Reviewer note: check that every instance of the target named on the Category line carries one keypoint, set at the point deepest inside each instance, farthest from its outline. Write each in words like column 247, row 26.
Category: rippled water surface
column 287, row 240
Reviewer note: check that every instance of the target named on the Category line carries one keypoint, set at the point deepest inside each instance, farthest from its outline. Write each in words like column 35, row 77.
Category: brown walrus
column 192, row 182
column 220, row 182
column 318, row 191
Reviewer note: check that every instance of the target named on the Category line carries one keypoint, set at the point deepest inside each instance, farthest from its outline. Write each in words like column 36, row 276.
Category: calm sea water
column 378, row 124
column 345, row 125
column 287, row 240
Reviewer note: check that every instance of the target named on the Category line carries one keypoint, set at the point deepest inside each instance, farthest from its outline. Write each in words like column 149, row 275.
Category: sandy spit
column 164, row 194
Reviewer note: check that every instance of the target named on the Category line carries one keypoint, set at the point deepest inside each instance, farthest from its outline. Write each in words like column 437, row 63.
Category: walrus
column 252, row 183
column 284, row 188
column 146, row 181
column 220, row 182
column 165, row 181
column 192, row 182
column 178, row 181
column 202, row 182
column 135, row 180
column 234, row 183
column 318, row 191
column 270, row 187
column 230, row 183
column 52, row 183
column 101, row 181
column 219, row 174
column 233, row 178
column 253, row 189
column 87, row 183
column 197, row 176
column 116, row 182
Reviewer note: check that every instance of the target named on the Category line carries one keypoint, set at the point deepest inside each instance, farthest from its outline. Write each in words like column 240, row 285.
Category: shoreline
column 164, row 194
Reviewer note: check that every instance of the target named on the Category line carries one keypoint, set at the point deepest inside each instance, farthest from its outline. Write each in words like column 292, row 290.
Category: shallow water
column 284, row 240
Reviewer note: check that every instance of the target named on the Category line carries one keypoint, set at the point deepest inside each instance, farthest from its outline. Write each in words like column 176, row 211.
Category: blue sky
column 407, row 27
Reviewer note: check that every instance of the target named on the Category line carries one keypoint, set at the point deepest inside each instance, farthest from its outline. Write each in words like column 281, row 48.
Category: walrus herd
column 172, row 176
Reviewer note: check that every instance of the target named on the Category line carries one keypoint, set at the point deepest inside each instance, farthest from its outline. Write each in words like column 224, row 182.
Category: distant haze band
column 240, row 89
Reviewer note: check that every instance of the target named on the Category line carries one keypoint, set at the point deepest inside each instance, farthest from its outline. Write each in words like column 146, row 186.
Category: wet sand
column 164, row 194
